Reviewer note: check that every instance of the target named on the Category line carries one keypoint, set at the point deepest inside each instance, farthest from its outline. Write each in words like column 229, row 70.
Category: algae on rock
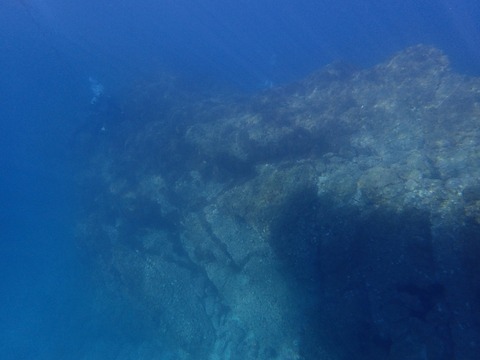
column 333, row 218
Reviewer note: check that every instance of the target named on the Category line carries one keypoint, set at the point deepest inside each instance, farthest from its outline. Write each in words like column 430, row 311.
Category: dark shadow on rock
column 365, row 280
column 299, row 144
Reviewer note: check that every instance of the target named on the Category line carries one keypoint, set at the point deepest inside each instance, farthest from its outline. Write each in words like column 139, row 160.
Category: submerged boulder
column 334, row 218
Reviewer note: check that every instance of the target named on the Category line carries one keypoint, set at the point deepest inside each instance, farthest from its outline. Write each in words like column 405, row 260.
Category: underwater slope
column 334, row 218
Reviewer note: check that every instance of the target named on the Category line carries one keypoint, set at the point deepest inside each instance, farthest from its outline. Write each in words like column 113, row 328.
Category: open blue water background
column 50, row 48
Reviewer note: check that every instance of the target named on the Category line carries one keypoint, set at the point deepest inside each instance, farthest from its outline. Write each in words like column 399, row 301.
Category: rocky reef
column 334, row 218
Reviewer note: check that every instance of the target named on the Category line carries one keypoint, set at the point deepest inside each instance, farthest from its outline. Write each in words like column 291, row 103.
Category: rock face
column 334, row 218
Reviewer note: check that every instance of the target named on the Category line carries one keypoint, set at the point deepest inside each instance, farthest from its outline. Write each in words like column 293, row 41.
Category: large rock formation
column 334, row 218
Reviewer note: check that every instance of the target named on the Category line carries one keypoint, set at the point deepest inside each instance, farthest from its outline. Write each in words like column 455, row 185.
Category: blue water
column 50, row 48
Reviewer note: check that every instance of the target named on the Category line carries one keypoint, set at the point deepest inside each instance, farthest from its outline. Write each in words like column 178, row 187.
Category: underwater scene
column 240, row 180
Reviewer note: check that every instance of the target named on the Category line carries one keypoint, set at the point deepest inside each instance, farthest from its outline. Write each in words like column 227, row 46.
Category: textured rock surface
column 334, row 218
